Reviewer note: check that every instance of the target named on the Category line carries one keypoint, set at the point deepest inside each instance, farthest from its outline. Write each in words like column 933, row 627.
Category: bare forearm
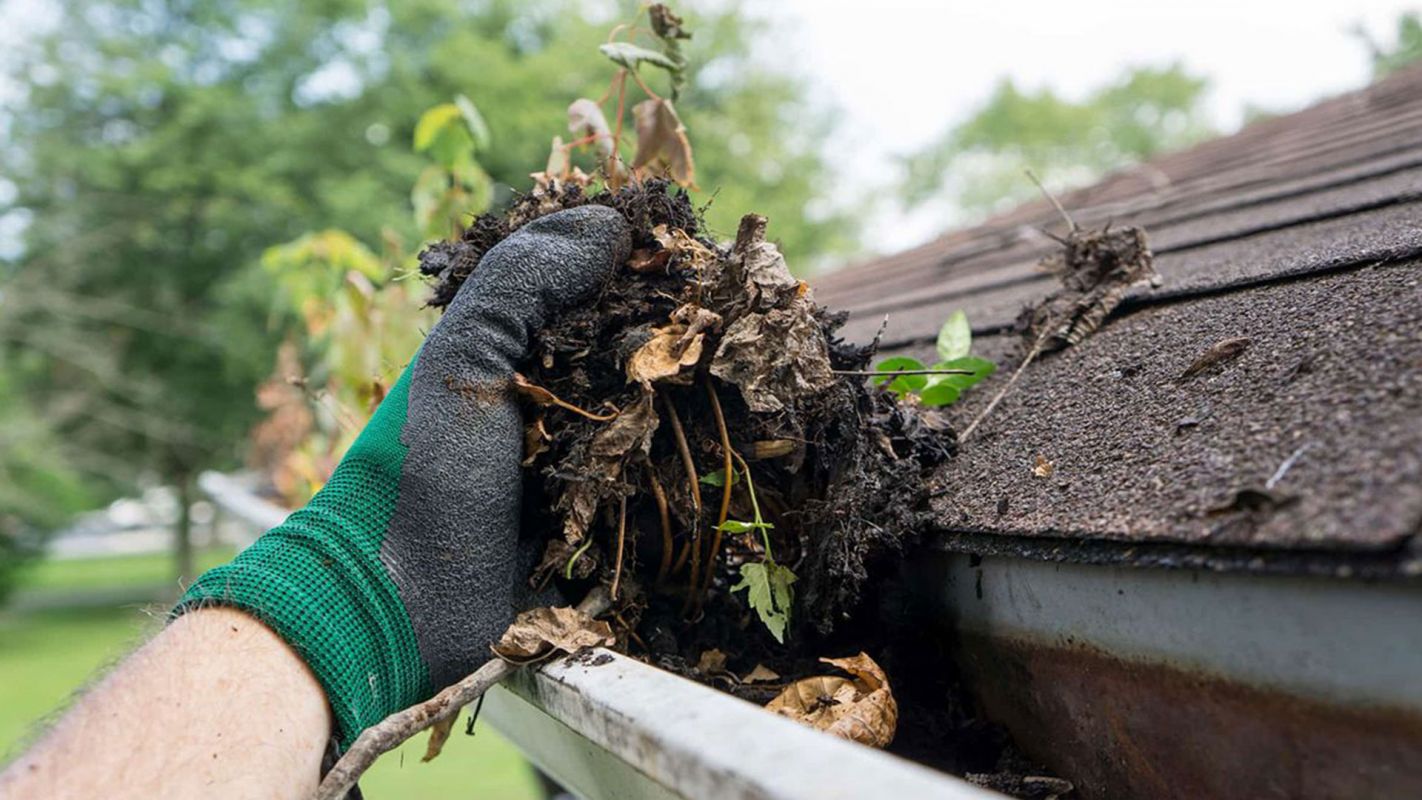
column 214, row 706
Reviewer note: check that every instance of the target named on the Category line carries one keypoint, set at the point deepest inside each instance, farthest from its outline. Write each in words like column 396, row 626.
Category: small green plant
column 768, row 583
column 955, row 344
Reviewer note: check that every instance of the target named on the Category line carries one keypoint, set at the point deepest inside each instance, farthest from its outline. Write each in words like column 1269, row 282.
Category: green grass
column 113, row 572
column 45, row 656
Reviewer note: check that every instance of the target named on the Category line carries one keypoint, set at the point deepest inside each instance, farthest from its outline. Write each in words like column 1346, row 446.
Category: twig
column 395, row 729
column 1031, row 354
column 725, row 496
column 1287, row 465
column 660, row 496
column 1070, row 222
column 890, row 373
column 685, row 449
column 621, row 544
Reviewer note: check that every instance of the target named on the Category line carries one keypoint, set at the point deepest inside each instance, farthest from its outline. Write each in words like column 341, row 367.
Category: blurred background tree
column 154, row 151
column 1405, row 47
column 979, row 164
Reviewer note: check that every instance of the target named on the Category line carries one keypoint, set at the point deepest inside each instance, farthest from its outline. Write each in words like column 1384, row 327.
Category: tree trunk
column 183, row 531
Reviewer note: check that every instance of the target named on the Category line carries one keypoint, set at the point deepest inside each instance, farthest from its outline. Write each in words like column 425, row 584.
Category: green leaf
column 630, row 56
column 770, row 594
column 478, row 129
column 955, row 338
column 904, row 384
column 736, row 526
column 718, row 478
column 432, row 123
column 944, row 390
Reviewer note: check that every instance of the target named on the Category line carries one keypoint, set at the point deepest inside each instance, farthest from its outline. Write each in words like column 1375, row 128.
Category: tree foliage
column 157, row 150
column 979, row 163
column 1405, row 47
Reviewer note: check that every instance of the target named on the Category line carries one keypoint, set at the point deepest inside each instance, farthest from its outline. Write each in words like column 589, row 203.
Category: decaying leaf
column 666, row 356
column 775, row 358
column 761, row 674
column 627, row 435
column 662, row 145
column 712, row 662
column 760, row 268
column 585, row 119
column 1043, row 468
column 771, row 448
column 535, row 441
column 532, row 392
column 686, row 252
column 861, row 709
column 541, row 632
column 1096, row 269
column 1217, row 353
column 439, row 734
column 645, row 261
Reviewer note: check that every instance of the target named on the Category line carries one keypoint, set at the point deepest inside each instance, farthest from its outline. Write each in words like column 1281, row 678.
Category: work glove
column 394, row 580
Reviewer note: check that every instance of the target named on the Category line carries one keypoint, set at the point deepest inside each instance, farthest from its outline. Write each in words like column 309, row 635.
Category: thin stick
column 889, row 373
column 685, row 449
column 725, row 494
column 1031, row 354
column 1070, row 222
column 660, row 496
column 616, row 154
column 681, row 557
column 395, row 729
column 621, row 543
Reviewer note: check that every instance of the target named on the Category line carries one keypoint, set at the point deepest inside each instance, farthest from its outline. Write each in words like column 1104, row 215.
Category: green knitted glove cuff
column 317, row 581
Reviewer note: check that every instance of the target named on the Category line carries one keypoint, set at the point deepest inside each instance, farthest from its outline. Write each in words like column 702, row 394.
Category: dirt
column 839, row 467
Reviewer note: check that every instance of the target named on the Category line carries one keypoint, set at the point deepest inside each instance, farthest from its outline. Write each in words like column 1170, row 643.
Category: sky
column 900, row 72
column 897, row 73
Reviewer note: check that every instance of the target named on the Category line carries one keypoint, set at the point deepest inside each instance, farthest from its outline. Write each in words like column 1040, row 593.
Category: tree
column 979, row 163
column 156, row 150
column 1405, row 48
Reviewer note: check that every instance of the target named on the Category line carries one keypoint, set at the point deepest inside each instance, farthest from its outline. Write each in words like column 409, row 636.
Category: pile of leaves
column 700, row 441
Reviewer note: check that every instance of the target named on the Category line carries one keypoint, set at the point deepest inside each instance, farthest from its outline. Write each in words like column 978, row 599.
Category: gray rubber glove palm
column 393, row 581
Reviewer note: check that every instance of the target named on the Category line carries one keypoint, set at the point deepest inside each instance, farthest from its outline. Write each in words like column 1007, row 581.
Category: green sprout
column 955, row 344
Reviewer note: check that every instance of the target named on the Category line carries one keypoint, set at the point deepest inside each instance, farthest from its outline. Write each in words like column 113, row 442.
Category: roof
column 1302, row 233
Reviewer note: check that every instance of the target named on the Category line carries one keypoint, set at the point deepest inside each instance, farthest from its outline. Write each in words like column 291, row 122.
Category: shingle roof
column 1302, row 233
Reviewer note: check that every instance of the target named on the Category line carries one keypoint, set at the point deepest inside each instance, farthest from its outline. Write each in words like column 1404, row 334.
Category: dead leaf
column 1043, row 468
column 666, row 356
column 585, row 119
column 661, row 142
column 540, row 632
column 712, row 662
column 535, row 441
column 861, row 709
column 761, row 674
column 645, row 261
column 760, row 268
column 599, row 479
column 439, row 734
column 1217, row 353
column 775, row 358
column 532, row 392
column 771, row 448
column 685, row 250
column 1096, row 269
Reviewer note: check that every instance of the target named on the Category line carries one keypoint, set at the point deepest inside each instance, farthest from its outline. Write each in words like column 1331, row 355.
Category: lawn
column 45, row 655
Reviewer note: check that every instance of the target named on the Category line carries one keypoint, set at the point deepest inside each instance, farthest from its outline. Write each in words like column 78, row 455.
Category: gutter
column 1157, row 683
column 608, row 726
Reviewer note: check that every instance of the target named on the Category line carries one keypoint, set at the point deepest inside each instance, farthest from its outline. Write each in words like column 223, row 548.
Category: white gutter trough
column 608, row 726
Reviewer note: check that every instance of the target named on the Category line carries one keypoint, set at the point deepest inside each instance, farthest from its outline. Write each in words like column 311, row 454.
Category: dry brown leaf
column 439, row 734
column 626, row 436
column 662, row 145
column 645, row 261
column 1217, row 353
column 761, row 674
column 535, row 441
column 689, row 253
column 540, row 632
column 712, row 662
column 1096, row 269
column 585, row 119
column 1043, row 468
column 666, row 356
column 775, row 358
column 861, row 709
column 761, row 269
column 533, row 392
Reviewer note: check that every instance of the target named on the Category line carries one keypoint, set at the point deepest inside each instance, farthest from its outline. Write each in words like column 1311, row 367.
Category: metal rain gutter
column 1156, row 683
column 608, row 726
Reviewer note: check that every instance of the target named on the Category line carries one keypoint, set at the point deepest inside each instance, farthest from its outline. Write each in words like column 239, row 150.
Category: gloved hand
column 396, row 577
